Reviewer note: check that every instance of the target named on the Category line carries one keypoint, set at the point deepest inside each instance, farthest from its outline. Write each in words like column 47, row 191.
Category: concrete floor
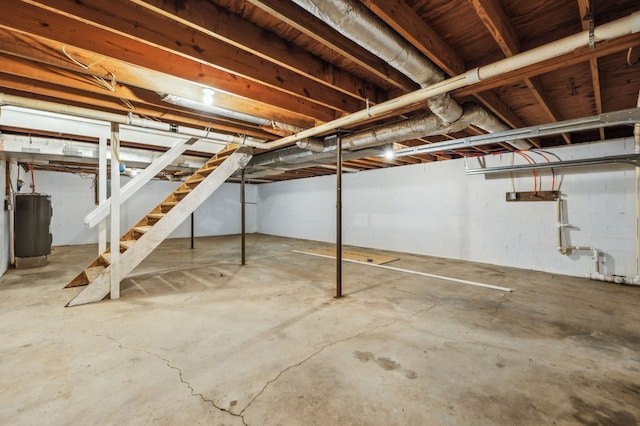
column 197, row 339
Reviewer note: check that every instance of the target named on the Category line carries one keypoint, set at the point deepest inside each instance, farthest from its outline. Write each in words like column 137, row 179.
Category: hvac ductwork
column 355, row 21
column 428, row 125
column 271, row 126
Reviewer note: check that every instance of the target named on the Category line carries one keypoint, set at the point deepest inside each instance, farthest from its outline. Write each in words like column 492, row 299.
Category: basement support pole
column 192, row 231
column 102, row 191
column 243, row 218
column 115, row 212
column 339, row 217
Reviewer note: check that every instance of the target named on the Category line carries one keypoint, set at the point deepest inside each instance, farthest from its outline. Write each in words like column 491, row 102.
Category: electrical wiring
column 80, row 64
column 557, row 157
column 513, row 180
column 535, row 175
column 553, row 172
column 115, row 146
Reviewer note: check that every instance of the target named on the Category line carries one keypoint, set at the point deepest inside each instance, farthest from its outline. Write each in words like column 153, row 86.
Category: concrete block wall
column 72, row 198
column 435, row 209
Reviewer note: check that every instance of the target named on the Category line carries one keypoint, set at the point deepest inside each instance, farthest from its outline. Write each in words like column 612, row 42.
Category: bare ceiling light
column 207, row 96
column 389, row 153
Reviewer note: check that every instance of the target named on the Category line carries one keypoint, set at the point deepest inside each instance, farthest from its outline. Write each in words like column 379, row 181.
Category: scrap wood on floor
column 375, row 259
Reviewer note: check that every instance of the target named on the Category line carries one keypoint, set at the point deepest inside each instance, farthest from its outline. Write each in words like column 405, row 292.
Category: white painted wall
column 435, row 209
column 4, row 223
column 72, row 198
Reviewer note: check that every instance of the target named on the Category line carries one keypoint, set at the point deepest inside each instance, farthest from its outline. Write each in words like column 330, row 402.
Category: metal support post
column 339, row 216
column 102, row 192
column 192, row 230
column 243, row 219
column 115, row 212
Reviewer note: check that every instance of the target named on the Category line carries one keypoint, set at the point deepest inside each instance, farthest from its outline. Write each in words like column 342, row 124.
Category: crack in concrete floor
column 180, row 376
column 240, row 415
column 328, row 345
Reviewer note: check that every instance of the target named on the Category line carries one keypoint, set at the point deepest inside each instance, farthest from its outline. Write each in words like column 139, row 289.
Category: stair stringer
column 101, row 286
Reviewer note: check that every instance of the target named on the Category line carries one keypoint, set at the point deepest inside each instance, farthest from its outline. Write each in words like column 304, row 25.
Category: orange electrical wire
column 535, row 175
column 553, row 172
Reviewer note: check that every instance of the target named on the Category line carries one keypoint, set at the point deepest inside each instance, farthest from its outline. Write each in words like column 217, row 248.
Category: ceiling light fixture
column 389, row 153
column 207, row 96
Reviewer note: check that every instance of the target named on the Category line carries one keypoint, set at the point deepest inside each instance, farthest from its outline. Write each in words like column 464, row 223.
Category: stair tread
column 106, row 257
column 127, row 243
column 93, row 272
column 99, row 287
column 194, row 180
column 142, row 229
column 206, row 169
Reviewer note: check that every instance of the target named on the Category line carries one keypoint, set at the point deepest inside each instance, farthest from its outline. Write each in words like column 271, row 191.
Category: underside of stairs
column 137, row 243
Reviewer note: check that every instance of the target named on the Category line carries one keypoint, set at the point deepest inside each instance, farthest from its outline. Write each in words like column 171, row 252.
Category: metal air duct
column 355, row 21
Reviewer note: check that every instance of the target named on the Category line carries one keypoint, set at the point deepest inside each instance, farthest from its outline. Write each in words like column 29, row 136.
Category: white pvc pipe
column 408, row 271
column 618, row 28
column 614, row 29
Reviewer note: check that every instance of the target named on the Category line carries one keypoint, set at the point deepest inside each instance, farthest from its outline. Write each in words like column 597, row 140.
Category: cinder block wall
column 436, row 209
column 72, row 197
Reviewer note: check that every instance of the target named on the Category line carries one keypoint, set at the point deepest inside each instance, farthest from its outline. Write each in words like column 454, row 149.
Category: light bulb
column 389, row 153
column 207, row 96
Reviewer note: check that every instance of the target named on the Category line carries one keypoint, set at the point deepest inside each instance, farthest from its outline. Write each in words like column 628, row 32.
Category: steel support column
column 243, row 218
column 115, row 213
column 339, row 216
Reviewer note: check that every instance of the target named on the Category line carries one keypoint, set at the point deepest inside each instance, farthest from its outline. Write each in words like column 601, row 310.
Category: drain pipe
column 595, row 273
column 611, row 30
column 355, row 21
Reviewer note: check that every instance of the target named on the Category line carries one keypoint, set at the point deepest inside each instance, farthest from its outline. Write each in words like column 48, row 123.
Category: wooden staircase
column 151, row 230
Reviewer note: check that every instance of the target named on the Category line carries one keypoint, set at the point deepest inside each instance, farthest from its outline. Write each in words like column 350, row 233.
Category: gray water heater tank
column 32, row 220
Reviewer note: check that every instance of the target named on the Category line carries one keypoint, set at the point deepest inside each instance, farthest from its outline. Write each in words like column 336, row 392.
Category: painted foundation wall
column 4, row 223
column 436, row 209
column 72, row 198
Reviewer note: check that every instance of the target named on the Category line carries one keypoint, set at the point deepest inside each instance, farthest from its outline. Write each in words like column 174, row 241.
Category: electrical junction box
column 533, row 196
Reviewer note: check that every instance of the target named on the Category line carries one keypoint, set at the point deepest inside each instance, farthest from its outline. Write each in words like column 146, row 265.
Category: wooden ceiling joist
column 499, row 26
column 66, row 31
column 586, row 14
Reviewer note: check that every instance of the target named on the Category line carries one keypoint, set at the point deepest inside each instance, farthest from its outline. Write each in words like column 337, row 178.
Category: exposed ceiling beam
column 317, row 30
column 499, row 26
column 405, row 21
column 86, row 94
column 494, row 104
column 582, row 54
column 586, row 15
column 399, row 16
column 134, row 23
column 66, row 31
column 210, row 19
column 49, row 53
